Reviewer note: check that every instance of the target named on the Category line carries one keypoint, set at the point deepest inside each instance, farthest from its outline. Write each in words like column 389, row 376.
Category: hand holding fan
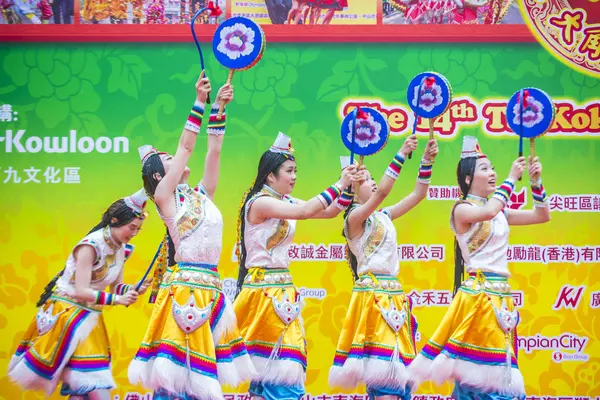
column 429, row 95
column 364, row 132
column 530, row 114
column 215, row 11
column 238, row 44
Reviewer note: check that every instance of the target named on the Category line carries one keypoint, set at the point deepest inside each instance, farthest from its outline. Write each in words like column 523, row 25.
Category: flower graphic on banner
column 367, row 131
column 236, row 41
column 431, row 97
column 532, row 113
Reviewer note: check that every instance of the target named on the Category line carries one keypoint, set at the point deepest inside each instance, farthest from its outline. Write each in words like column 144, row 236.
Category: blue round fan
column 364, row 131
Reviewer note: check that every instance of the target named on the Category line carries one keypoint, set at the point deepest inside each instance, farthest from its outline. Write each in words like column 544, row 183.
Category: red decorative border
column 274, row 33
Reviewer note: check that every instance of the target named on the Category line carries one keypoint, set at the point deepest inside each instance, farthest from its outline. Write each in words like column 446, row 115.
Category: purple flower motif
column 431, row 97
column 236, row 41
column 532, row 113
column 367, row 131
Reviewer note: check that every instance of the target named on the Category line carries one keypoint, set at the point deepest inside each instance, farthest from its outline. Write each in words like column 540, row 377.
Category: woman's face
column 123, row 234
column 167, row 160
column 285, row 180
column 484, row 178
column 367, row 188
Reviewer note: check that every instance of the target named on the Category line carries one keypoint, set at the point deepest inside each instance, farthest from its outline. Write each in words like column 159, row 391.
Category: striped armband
column 195, row 119
column 105, row 298
column 393, row 170
column 425, row 171
column 539, row 194
column 216, row 126
column 345, row 199
column 504, row 191
column 329, row 195
column 122, row 288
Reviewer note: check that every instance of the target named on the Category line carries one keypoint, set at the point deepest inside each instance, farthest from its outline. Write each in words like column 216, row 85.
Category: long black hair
column 270, row 162
column 118, row 214
column 153, row 166
column 465, row 168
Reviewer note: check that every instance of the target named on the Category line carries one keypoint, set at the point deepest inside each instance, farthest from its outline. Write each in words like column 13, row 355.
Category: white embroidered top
column 197, row 228
column 485, row 244
column 267, row 243
column 376, row 249
column 107, row 267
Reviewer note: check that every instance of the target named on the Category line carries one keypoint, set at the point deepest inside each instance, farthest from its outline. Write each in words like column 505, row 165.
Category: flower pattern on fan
column 367, row 131
column 189, row 317
column 532, row 113
column 236, row 41
column 431, row 97
column 506, row 319
column 393, row 317
column 286, row 310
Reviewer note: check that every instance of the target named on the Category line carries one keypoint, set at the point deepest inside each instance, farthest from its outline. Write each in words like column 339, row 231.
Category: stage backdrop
column 73, row 115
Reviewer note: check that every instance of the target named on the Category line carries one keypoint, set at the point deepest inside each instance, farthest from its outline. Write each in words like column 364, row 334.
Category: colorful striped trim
column 177, row 355
column 229, row 352
column 431, row 350
column 89, row 364
column 194, row 120
column 425, row 172
column 393, row 170
column 477, row 355
column 539, row 194
column 217, row 310
column 345, row 199
column 264, row 350
column 370, row 350
column 105, row 298
column 128, row 251
column 356, row 351
column 47, row 368
column 122, row 288
column 504, row 191
column 216, row 126
column 329, row 195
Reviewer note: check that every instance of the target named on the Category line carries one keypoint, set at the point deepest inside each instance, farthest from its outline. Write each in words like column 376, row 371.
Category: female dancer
column 295, row 12
column 268, row 308
column 377, row 341
column 192, row 345
column 332, row 6
column 475, row 344
column 67, row 341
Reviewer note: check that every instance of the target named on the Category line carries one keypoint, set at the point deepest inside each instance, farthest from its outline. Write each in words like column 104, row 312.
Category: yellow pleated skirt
column 209, row 354
column 469, row 346
column 268, row 312
column 377, row 341
column 68, row 342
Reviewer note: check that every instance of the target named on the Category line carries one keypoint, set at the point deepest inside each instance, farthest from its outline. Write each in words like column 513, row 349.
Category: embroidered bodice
column 197, row 228
column 107, row 265
column 267, row 243
column 484, row 246
column 376, row 249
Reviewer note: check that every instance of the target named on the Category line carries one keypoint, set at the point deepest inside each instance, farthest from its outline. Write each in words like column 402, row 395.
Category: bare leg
column 299, row 12
column 293, row 11
column 328, row 16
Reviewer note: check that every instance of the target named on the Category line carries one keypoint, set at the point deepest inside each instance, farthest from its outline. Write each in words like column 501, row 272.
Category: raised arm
column 187, row 142
column 216, row 132
column 420, row 191
column 360, row 215
column 85, row 257
column 266, row 207
column 343, row 200
column 465, row 215
column 541, row 210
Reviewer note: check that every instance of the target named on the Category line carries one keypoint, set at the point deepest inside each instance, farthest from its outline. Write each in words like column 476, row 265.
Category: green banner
column 72, row 117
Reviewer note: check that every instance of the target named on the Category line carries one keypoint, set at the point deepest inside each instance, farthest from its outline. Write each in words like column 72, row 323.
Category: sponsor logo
column 569, row 297
column 566, row 347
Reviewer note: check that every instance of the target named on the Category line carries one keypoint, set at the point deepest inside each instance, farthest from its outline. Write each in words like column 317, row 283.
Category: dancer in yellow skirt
column 67, row 341
column 377, row 342
column 476, row 342
column 268, row 307
column 192, row 345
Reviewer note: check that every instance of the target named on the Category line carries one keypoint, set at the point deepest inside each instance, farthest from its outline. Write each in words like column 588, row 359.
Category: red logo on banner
column 517, row 200
column 568, row 297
